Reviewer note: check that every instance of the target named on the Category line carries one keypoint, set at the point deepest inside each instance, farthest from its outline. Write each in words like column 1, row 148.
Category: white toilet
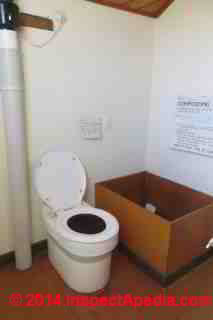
column 80, row 238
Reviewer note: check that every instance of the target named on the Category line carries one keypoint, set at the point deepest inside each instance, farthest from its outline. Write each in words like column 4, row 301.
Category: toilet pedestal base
column 82, row 274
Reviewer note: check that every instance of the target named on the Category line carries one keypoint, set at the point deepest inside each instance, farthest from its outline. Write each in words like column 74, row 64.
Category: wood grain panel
column 123, row 6
column 189, row 236
column 28, row 20
column 154, row 7
column 175, row 234
column 173, row 200
column 120, row 1
column 149, row 5
column 147, row 235
column 132, row 187
column 151, row 8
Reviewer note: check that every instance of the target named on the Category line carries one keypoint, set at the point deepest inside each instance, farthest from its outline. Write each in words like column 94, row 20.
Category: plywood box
column 168, row 239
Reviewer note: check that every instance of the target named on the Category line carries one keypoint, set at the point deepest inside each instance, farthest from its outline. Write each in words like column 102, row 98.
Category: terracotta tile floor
column 126, row 278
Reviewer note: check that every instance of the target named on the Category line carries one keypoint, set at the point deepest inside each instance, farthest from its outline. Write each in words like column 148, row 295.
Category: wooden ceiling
column 150, row 8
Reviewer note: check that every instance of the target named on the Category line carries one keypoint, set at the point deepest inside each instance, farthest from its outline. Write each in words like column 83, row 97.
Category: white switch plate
column 91, row 128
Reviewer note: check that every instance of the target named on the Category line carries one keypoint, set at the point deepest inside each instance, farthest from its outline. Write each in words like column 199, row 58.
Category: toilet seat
column 60, row 181
column 112, row 226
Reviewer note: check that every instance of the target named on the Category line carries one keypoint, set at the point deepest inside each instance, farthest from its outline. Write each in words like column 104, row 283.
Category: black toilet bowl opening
column 86, row 223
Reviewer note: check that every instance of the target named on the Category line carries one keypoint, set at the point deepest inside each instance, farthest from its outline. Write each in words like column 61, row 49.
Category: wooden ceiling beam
column 28, row 20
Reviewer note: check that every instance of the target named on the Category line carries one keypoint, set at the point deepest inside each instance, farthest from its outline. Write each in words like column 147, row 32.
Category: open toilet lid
column 60, row 180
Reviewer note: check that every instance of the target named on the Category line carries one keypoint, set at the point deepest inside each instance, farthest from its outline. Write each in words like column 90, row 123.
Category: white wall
column 100, row 63
column 183, row 65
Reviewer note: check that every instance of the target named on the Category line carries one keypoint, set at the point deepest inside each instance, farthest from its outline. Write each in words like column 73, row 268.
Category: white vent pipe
column 12, row 92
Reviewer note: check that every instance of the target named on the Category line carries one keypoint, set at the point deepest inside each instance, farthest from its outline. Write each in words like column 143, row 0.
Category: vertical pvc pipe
column 12, row 91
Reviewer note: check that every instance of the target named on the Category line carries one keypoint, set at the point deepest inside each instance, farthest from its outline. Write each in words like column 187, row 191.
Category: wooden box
column 173, row 236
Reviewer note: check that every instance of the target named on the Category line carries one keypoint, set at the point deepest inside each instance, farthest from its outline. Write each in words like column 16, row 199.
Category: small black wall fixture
column 11, row 18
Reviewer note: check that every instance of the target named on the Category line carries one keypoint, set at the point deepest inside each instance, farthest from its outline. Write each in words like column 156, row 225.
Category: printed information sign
column 193, row 130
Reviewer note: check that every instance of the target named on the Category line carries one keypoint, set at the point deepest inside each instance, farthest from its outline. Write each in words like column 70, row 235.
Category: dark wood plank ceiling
column 150, row 8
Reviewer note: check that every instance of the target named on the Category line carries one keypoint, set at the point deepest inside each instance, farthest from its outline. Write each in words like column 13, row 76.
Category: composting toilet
column 81, row 238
